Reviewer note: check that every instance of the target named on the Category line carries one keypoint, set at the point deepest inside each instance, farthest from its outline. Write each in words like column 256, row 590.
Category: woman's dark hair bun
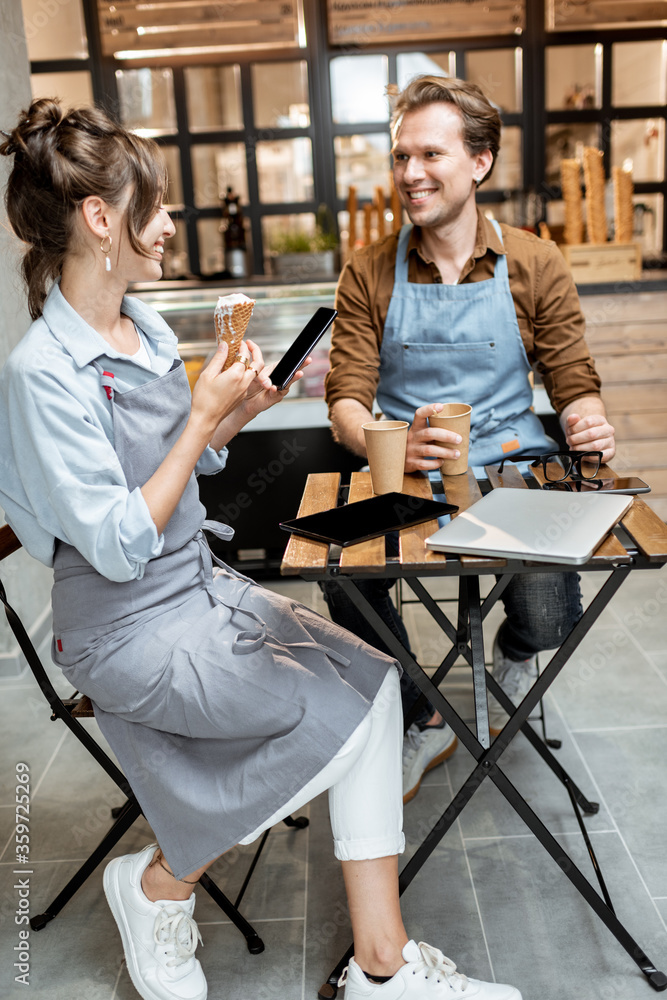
column 38, row 122
column 61, row 157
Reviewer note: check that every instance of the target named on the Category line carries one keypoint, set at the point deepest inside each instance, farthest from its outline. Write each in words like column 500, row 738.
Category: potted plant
column 299, row 255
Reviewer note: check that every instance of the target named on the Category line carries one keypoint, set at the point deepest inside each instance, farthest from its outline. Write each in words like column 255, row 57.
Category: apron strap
column 251, row 639
column 222, row 531
column 106, row 378
column 401, row 266
column 500, row 272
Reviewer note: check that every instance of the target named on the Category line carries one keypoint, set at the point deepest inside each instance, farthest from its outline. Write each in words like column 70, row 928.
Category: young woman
column 227, row 706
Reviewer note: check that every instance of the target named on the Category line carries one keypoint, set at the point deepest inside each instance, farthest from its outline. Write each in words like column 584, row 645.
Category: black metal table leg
column 469, row 629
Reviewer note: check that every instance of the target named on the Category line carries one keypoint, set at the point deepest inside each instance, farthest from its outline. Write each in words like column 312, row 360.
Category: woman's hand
column 262, row 394
column 216, row 394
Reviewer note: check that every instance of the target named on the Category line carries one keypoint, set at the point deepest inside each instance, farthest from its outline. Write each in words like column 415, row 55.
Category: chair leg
column 253, row 940
column 298, row 822
column 128, row 814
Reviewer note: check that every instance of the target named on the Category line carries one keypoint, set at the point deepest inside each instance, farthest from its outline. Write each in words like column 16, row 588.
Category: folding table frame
column 646, row 548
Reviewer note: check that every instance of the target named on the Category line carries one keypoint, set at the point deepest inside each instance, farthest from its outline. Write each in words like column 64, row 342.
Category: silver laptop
column 533, row 524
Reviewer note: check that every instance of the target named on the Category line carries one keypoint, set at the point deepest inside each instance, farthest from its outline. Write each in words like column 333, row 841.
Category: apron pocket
column 428, row 369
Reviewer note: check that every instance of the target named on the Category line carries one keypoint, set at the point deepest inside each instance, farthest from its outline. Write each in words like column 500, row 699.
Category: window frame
column 533, row 119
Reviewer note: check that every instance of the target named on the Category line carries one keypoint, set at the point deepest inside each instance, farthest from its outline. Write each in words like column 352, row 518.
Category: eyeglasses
column 558, row 465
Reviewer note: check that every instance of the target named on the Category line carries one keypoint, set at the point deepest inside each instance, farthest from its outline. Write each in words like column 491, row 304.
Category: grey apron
column 220, row 699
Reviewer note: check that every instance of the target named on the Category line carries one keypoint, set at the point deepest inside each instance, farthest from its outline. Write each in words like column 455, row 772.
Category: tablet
column 357, row 522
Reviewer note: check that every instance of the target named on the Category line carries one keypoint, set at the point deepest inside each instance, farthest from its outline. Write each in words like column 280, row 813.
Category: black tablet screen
column 356, row 522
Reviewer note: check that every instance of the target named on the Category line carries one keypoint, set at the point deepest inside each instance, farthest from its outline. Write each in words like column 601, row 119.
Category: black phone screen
column 295, row 355
column 357, row 522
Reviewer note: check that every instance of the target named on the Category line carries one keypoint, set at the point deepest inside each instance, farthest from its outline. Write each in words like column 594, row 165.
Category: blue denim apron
column 220, row 699
column 460, row 343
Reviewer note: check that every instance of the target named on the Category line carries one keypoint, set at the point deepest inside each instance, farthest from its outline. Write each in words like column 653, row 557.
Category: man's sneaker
column 516, row 678
column 159, row 939
column 424, row 749
column 427, row 975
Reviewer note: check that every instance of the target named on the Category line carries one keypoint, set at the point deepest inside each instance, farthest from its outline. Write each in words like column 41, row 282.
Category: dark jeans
column 541, row 610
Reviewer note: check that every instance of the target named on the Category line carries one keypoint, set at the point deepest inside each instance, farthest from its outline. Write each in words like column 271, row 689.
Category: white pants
column 365, row 784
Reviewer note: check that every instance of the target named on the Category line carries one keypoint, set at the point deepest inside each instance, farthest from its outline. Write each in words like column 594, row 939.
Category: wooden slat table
column 414, row 564
column 302, row 556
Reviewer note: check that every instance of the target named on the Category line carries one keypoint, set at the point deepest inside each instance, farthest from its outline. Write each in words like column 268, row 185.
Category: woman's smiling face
column 153, row 236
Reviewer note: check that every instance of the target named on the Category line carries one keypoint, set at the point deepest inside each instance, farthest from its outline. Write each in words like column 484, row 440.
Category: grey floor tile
column 659, row 660
column 543, row 937
column 610, row 682
column 7, row 835
column 328, row 931
column 439, row 906
column 641, row 586
column 278, row 884
column 71, row 810
column 234, row 974
column 26, row 735
column 72, row 958
column 630, row 771
column 641, row 605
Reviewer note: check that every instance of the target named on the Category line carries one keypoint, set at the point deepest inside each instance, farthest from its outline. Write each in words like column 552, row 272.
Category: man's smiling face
column 433, row 172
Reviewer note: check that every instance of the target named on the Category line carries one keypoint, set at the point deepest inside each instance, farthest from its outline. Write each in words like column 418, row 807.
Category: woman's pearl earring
column 106, row 250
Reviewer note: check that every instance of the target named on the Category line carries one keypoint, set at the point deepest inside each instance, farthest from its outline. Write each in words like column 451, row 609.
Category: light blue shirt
column 60, row 477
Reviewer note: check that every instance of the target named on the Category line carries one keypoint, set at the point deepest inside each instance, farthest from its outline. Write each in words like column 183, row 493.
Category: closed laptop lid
column 533, row 524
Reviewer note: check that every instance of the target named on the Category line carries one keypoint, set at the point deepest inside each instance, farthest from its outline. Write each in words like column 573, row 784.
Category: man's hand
column 428, row 446
column 586, row 428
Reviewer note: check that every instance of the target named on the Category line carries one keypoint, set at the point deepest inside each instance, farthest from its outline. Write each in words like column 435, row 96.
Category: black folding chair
column 70, row 711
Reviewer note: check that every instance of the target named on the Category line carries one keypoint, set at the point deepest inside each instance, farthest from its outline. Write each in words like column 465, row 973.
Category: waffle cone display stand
column 598, row 260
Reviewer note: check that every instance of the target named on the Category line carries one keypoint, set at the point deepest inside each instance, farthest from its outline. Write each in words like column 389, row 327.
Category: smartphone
column 295, row 355
column 357, row 522
column 630, row 484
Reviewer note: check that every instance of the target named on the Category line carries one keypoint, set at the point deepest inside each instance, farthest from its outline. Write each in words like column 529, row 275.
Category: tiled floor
column 490, row 897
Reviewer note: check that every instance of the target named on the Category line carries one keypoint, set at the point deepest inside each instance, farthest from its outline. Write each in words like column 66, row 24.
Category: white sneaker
column 516, row 678
column 427, row 975
column 424, row 749
column 159, row 939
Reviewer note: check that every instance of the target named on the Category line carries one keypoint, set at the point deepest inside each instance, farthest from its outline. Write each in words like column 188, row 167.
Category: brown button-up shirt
column 546, row 301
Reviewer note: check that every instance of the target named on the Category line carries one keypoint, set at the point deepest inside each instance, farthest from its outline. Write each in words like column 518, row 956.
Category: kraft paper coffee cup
column 386, row 442
column 454, row 417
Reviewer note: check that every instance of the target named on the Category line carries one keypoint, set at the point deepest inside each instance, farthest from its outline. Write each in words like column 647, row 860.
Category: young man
column 457, row 308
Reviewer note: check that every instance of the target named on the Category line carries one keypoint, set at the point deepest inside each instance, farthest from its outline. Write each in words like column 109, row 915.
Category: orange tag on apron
column 509, row 446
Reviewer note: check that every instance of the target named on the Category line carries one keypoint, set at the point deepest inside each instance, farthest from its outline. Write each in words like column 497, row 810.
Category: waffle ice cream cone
column 232, row 315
